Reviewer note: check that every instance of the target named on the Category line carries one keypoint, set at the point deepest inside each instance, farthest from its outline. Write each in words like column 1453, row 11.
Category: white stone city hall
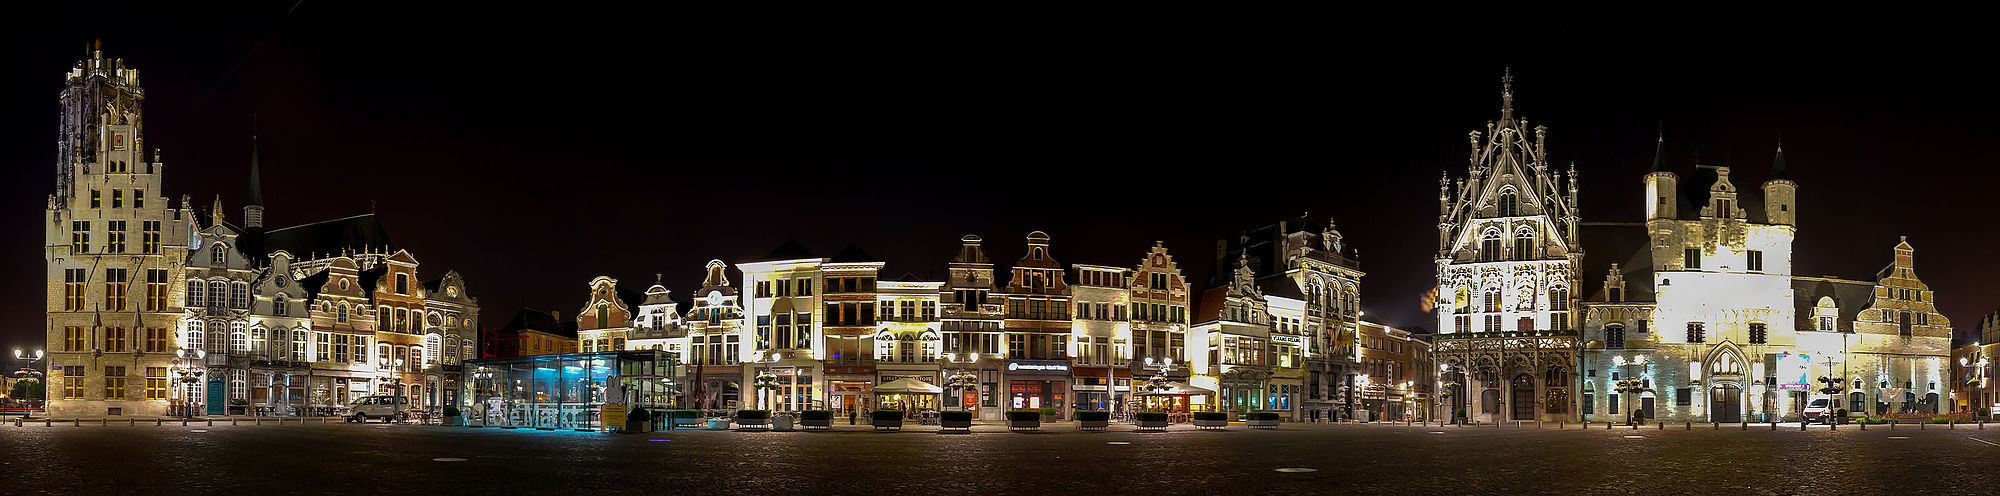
column 1691, row 313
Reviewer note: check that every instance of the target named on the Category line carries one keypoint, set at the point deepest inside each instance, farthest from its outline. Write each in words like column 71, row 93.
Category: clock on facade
column 714, row 298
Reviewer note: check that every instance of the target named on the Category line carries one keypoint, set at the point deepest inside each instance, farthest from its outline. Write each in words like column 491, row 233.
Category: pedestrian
column 851, row 414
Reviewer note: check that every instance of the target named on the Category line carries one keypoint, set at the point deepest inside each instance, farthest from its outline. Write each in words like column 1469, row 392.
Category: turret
column 1662, row 186
column 1780, row 193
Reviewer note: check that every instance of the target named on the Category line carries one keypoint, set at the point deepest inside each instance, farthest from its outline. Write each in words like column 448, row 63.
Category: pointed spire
column 1507, row 95
column 256, row 185
column 1778, row 170
column 1660, row 151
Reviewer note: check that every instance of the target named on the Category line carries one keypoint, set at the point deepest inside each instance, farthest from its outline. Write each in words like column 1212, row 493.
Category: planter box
column 1261, row 424
column 809, row 423
column 1152, row 424
column 1092, row 425
column 457, row 421
column 718, row 424
column 753, row 423
column 1211, row 424
column 955, row 421
column 781, row 423
column 1024, row 424
column 688, row 422
column 887, row 424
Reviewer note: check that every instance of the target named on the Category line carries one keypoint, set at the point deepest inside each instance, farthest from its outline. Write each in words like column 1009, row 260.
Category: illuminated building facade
column 1159, row 297
column 1507, row 271
column 716, row 340
column 972, row 309
column 1101, row 336
column 115, row 251
column 784, row 344
column 1397, row 374
column 1037, row 328
column 605, row 320
column 1974, row 369
column 907, row 339
column 1311, row 289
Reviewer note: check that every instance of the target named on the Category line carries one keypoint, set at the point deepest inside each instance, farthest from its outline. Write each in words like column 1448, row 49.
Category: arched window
column 239, row 337
column 1489, row 246
column 218, row 256
column 431, row 349
column 1614, row 336
column 1493, row 300
column 1726, row 364
column 278, row 307
column 603, row 316
column 218, row 294
column 239, row 295
column 341, row 316
column 1524, row 245
column 451, row 350
column 194, row 338
column 195, row 292
column 1509, row 203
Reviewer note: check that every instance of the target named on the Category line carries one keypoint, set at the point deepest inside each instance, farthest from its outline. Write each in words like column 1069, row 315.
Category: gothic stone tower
column 1506, row 263
column 115, row 251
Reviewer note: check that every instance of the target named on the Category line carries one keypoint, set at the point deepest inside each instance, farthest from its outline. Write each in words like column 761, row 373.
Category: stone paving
column 354, row 459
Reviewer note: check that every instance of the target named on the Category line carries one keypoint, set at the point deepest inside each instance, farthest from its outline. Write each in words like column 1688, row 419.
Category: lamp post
column 190, row 374
column 1832, row 389
column 1631, row 384
column 32, row 374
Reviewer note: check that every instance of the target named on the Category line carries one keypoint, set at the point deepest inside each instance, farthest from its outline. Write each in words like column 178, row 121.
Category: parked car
column 384, row 407
column 1820, row 409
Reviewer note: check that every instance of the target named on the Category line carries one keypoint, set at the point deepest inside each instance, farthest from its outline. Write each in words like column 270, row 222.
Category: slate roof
column 1848, row 296
column 330, row 237
column 1624, row 243
column 539, row 320
column 789, row 250
column 853, row 254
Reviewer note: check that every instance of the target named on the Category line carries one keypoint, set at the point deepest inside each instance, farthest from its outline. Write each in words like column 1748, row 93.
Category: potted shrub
column 955, row 420
column 1638, row 417
column 822, row 419
column 1150, row 420
column 453, row 417
column 886, row 419
column 636, row 420
column 1093, row 420
column 1266, row 420
column 753, row 418
column 1049, row 414
column 1459, row 416
column 1211, row 420
column 238, row 406
column 688, row 418
column 1024, row 419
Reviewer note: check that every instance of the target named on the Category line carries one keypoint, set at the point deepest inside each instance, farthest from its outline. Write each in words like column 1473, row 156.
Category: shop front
column 790, row 386
column 1285, row 391
column 979, row 391
column 850, row 389
column 1039, row 384
column 1103, row 388
column 566, row 391
column 919, row 391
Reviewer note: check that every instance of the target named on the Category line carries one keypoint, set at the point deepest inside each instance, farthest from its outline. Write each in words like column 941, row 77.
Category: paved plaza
column 348, row 459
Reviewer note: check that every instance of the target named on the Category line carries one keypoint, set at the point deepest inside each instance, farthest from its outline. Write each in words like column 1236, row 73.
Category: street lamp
column 1631, row 384
column 1833, row 387
column 190, row 374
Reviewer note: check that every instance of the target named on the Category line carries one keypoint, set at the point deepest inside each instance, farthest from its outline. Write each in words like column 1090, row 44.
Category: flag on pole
column 1430, row 300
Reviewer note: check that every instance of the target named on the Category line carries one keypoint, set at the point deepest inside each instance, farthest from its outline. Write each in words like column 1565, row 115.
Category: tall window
column 156, row 290
column 218, row 256
column 1758, row 334
column 603, row 316
column 73, row 338
column 1695, row 333
column 196, row 331
column 156, row 383
column 402, row 284
column 239, row 337
column 1524, row 245
column 114, row 339
column 1614, row 336
column 195, row 292
column 114, row 382
column 278, row 306
column 1492, row 300
column 1756, row 261
column 239, row 295
column 1489, row 246
column 73, row 382
column 79, row 236
column 341, row 313
column 114, row 289
column 1692, row 257
column 218, row 291
column 157, row 339
column 114, row 236
column 149, row 237
column 1509, row 204
column 73, row 288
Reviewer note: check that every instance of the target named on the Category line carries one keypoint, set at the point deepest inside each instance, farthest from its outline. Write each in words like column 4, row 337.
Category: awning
column 908, row 386
column 1173, row 389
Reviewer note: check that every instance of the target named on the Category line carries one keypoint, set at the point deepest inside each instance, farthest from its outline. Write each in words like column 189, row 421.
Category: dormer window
column 1509, row 204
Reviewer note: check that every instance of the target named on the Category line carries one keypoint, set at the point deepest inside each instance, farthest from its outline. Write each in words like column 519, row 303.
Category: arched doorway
column 1931, row 403
column 1725, row 403
column 1524, row 397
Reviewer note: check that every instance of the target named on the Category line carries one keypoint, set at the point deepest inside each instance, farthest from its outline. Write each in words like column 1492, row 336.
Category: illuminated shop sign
column 1285, row 339
column 1054, row 367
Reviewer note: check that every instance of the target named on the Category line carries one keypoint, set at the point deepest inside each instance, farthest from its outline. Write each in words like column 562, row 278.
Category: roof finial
column 1507, row 95
column 1660, row 150
column 1778, row 170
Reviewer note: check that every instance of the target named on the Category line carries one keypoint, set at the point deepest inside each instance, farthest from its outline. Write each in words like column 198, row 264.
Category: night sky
column 534, row 149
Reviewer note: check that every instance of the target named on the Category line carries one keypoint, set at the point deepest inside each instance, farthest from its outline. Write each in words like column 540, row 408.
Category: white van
column 1821, row 408
column 380, row 407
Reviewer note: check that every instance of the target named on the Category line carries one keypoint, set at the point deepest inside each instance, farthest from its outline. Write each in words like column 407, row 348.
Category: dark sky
column 533, row 149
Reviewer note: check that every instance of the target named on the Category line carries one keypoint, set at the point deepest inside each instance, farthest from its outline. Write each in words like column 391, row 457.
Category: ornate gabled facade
column 1234, row 332
column 115, row 251
column 658, row 323
column 972, row 308
column 606, row 319
column 1507, row 265
column 716, row 336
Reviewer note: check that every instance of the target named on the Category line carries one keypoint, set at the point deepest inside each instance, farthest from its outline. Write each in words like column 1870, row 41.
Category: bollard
column 158, row 422
column 1832, row 425
column 1560, row 425
column 1864, row 425
column 211, row 422
column 1538, row 423
column 103, row 422
column 1953, row 423
column 232, row 420
column 46, row 422
column 17, row 422
column 1607, row 425
column 1774, row 425
column 184, row 422
column 260, row 420
column 1663, row 426
column 76, row 422
column 1920, row 425
column 1892, row 424
column 131, row 422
